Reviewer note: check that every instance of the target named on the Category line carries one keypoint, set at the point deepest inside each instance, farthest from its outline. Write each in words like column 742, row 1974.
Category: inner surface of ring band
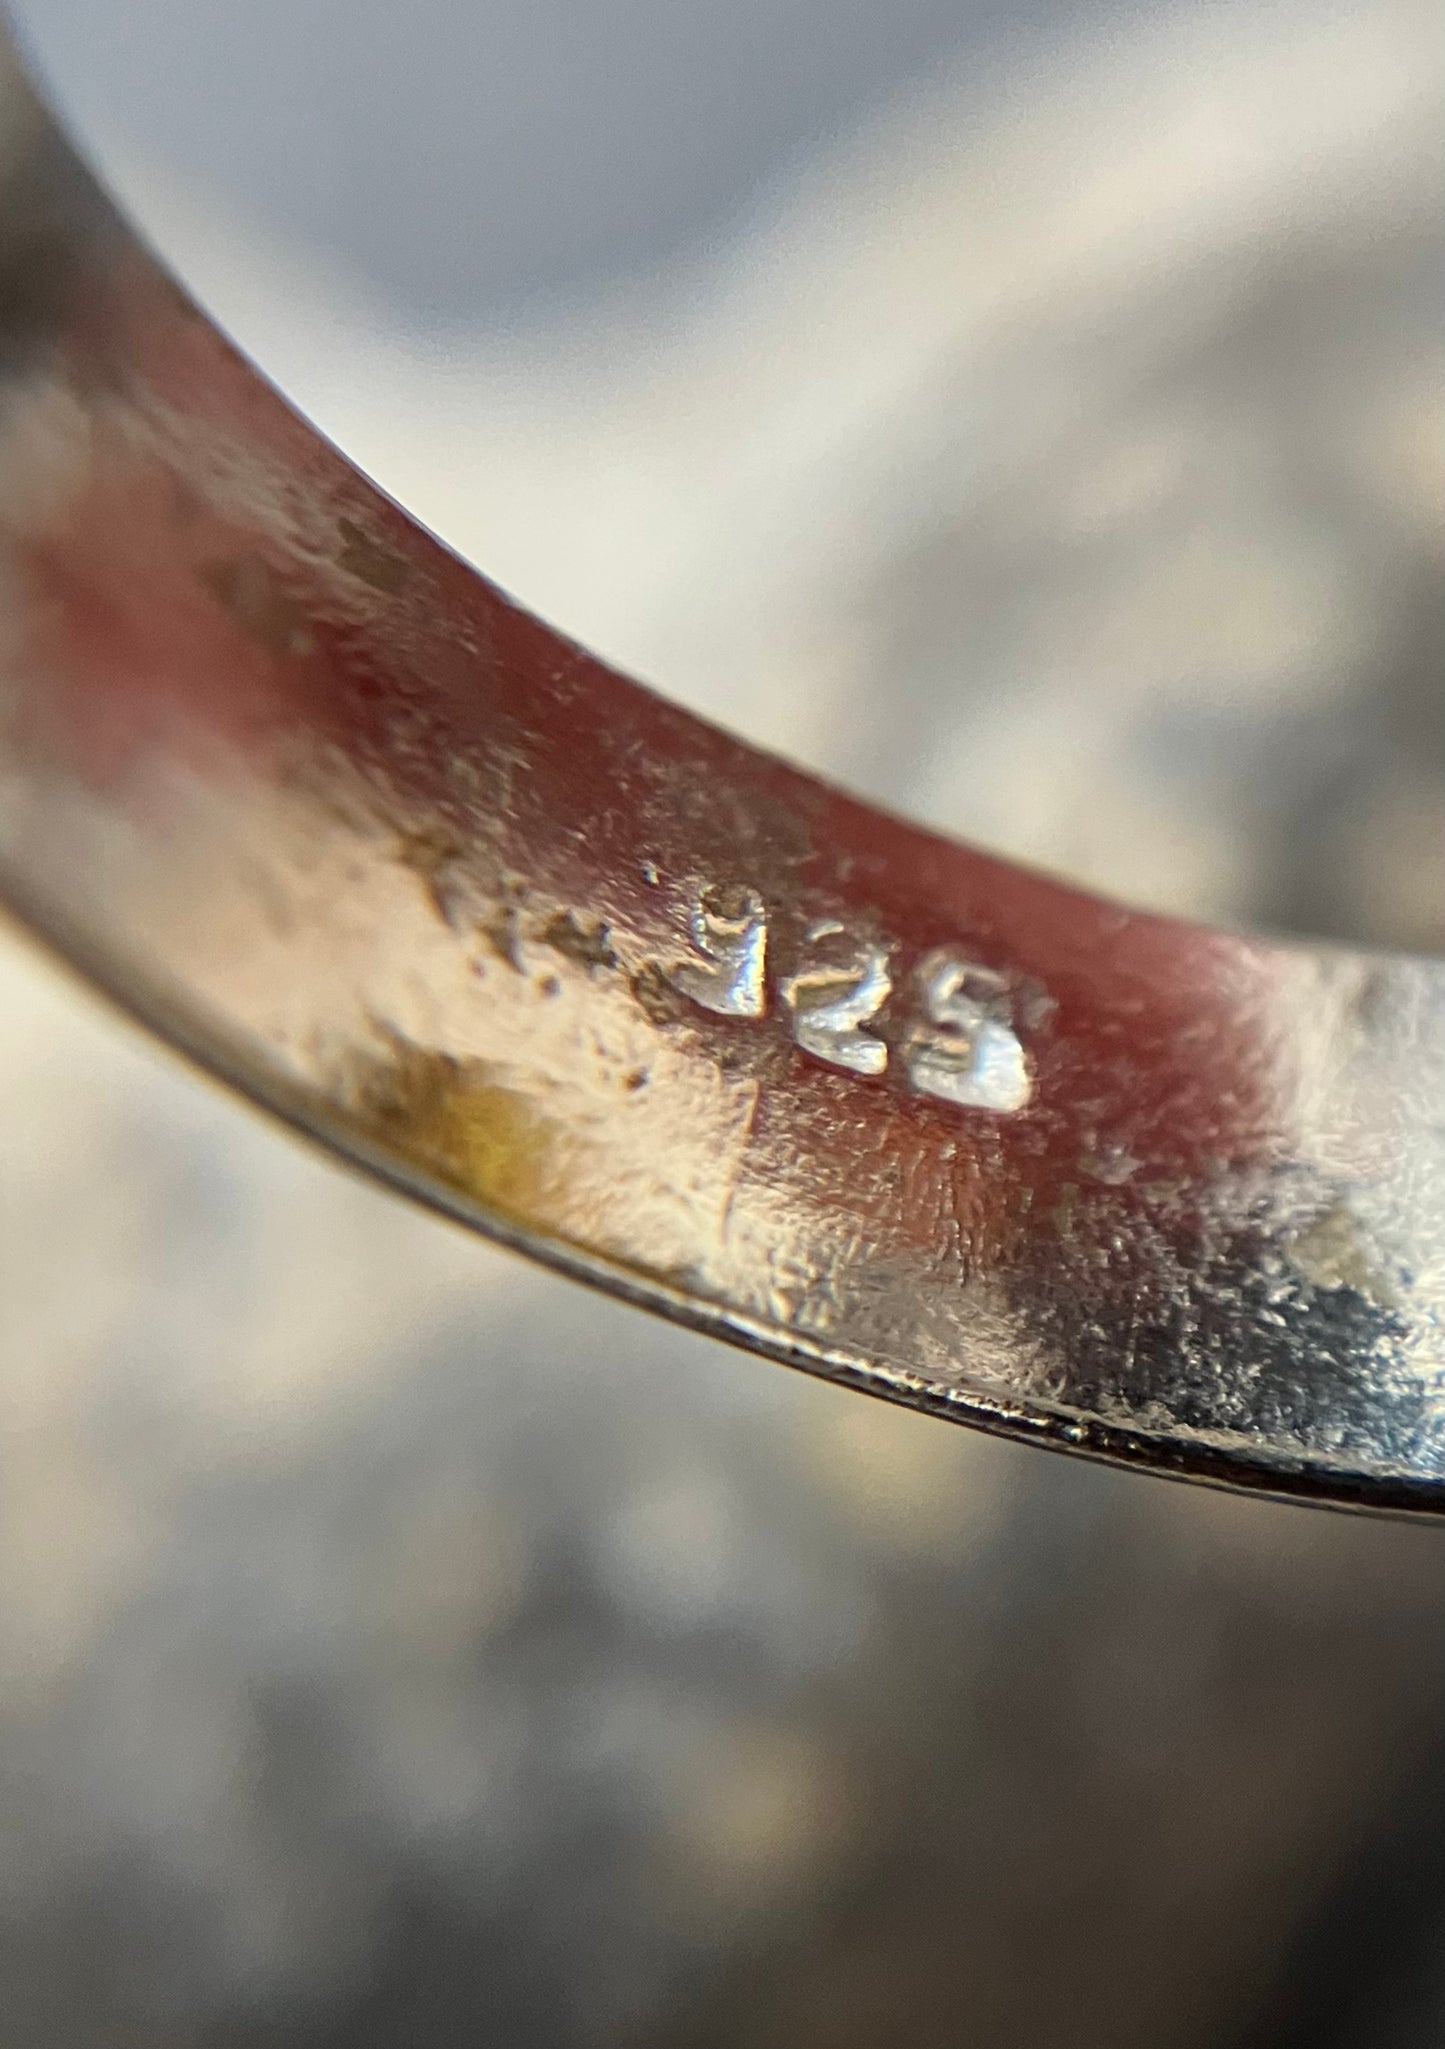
column 401, row 862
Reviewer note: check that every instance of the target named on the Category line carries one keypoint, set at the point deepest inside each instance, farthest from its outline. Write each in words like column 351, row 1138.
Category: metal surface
column 328, row 811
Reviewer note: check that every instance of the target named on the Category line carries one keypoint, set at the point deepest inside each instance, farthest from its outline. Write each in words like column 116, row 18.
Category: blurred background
column 1031, row 415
